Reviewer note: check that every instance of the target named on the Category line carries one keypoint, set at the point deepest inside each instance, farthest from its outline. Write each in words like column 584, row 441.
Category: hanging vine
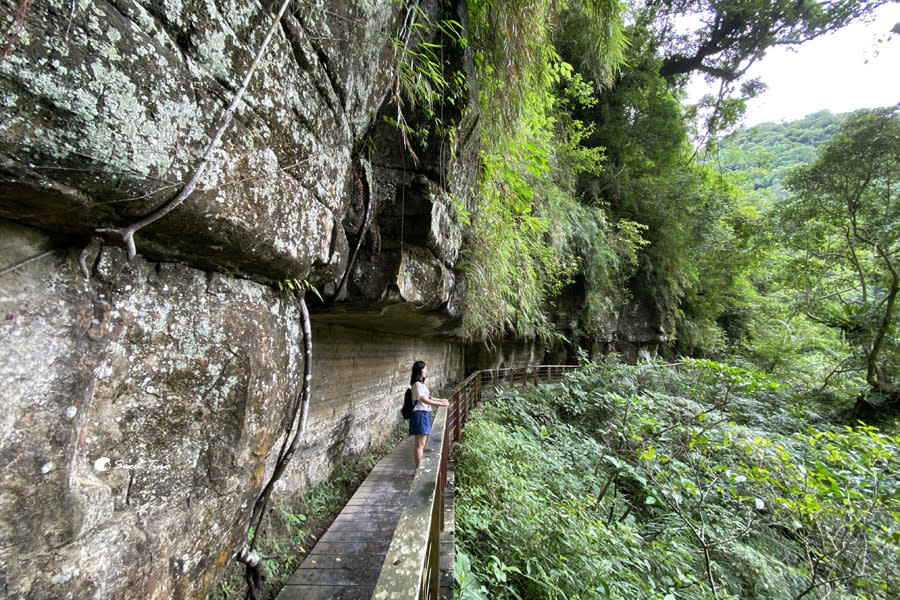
column 363, row 184
column 254, row 572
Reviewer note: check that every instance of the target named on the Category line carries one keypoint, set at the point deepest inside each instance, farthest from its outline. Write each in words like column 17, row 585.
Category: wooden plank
column 358, row 548
column 341, row 577
column 324, row 562
column 346, row 561
column 386, row 512
column 363, row 525
column 315, row 592
column 355, row 536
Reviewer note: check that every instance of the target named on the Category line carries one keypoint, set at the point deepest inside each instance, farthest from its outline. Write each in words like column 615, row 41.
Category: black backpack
column 408, row 404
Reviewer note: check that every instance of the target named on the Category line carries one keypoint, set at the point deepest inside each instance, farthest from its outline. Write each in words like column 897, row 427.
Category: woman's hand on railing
column 435, row 401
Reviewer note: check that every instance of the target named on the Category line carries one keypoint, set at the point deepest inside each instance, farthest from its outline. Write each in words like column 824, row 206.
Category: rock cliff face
column 144, row 406
column 143, row 409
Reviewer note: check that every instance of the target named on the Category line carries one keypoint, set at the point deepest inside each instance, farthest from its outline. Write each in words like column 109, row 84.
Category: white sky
column 841, row 72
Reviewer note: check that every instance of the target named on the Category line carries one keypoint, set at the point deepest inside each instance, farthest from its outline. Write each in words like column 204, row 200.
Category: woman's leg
column 419, row 447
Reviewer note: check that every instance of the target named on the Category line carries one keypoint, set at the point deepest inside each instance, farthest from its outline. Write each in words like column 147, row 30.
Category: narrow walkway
column 359, row 552
column 346, row 561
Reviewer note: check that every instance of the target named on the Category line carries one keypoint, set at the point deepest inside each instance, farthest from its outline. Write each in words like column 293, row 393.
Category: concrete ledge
column 404, row 566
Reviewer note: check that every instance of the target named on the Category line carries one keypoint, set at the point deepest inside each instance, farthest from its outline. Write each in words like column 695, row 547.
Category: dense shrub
column 695, row 481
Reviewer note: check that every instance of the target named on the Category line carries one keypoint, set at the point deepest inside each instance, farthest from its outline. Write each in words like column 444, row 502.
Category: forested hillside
column 760, row 157
column 773, row 251
column 591, row 187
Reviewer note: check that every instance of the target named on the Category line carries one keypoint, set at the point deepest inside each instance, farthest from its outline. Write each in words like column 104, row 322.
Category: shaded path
column 346, row 561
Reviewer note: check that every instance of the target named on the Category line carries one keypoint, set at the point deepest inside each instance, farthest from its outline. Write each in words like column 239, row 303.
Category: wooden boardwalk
column 360, row 555
column 346, row 561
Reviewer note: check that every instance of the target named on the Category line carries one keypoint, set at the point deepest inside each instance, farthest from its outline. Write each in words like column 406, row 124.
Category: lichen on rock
column 150, row 399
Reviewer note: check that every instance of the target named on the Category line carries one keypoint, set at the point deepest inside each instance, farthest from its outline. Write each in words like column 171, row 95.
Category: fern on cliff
column 530, row 232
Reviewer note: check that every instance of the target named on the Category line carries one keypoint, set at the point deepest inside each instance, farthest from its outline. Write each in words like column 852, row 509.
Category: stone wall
column 144, row 409
column 357, row 390
column 108, row 104
column 145, row 404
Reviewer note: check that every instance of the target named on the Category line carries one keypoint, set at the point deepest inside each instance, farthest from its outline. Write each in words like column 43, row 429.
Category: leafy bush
column 694, row 481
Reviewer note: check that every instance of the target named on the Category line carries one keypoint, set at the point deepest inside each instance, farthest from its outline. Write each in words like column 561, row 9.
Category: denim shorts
column 420, row 422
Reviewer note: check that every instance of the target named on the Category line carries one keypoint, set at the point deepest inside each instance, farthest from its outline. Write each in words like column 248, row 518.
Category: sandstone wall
column 145, row 405
column 358, row 385
column 107, row 106
column 143, row 409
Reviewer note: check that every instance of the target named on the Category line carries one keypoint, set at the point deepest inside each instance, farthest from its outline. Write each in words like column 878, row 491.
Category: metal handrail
column 411, row 568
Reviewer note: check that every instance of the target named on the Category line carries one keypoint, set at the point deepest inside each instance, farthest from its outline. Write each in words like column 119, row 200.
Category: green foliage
column 423, row 84
column 296, row 287
column 841, row 229
column 519, row 42
column 697, row 230
column 769, row 330
column 690, row 481
column 530, row 230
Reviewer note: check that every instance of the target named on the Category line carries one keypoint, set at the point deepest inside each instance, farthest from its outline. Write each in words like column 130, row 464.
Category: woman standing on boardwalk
column 420, row 421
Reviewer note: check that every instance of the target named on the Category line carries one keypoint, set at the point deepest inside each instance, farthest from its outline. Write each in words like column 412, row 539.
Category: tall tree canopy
column 722, row 37
column 843, row 224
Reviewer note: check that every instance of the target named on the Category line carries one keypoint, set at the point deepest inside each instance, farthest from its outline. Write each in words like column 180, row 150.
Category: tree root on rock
column 125, row 235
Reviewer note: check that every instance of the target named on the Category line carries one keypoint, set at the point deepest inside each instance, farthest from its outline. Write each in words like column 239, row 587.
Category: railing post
column 442, row 477
column 434, row 567
column 456, row 416
column 465, row 406
column 478, row 390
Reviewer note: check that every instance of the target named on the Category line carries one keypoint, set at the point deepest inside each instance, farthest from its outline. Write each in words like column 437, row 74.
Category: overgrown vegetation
column 591, row 187
column 531, row 232
column 423, row 84
column 289, row 529
column 696, row 480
